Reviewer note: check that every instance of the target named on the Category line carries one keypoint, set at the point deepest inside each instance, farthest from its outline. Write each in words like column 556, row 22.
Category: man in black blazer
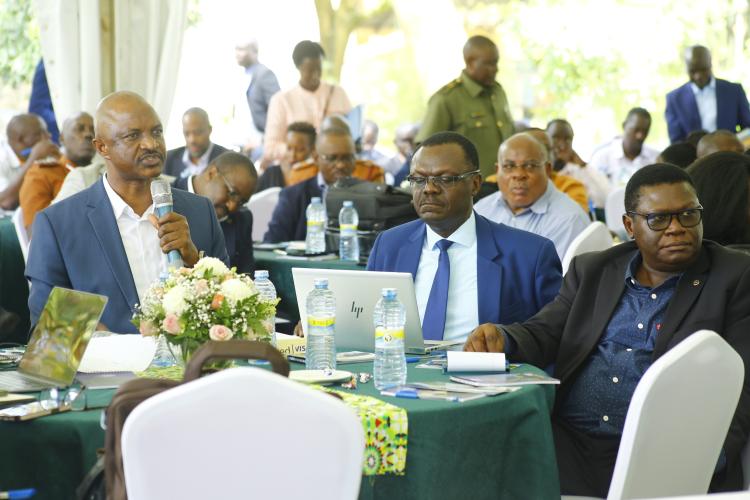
column 228, row 182
column 335, row 155
column 619, row 310
column 198, row 152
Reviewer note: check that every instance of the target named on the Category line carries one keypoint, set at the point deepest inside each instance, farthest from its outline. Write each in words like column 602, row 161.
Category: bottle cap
column 315, row 199
column 260, row 274
column 348, row 204
column 320, row 282
column 389, row 293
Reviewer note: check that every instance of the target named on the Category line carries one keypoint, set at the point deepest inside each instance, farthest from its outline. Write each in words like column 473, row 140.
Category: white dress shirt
column 140, row 239
column 10, row 167
column 705, row 98
column 195, row 168
column 462, row 314
column 610, row 159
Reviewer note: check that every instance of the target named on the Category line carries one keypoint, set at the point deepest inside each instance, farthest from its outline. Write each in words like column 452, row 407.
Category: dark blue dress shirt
column 599, row 398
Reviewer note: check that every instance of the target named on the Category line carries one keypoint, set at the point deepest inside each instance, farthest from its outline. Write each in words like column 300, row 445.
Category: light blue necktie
column 433, row 325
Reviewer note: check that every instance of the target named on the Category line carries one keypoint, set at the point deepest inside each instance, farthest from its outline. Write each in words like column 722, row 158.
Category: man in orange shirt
column 44, row 178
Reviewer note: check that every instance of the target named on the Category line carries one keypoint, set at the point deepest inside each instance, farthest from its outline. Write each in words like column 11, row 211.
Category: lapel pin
column 696, row 282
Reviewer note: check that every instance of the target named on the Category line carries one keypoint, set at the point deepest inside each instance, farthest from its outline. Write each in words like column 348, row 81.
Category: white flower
column 174, row 300
column 235, row 290
column 212, row 264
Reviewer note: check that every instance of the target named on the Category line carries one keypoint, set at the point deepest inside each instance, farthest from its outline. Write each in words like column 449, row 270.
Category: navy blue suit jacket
column 518, row 272
column 173, row 164
column 289, row 221
column 682, row 111
column 238, row 237
column 76, row 244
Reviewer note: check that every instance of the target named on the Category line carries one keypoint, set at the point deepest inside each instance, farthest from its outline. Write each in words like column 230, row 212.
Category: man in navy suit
column 705, row 102
column 495, row 271
column 335, row 155
column 106, row 238
column 228, row 182
column 198, row 151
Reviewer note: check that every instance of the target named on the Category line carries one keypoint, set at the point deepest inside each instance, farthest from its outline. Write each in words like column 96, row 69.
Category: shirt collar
column 540, row 206
column 190, row 187
column 321, row 181
column 119, row 206
column 711, row 87
column 472, row 87
column 465, row 235
column 632, row 282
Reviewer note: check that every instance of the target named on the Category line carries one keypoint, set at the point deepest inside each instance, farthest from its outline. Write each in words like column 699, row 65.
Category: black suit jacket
column 288, row 221
column 238, row 236
column 713, row 294
column 173, row 164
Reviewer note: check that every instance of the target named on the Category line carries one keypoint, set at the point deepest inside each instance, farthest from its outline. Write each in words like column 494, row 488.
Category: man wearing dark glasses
column 618, row 311
column 466, row 268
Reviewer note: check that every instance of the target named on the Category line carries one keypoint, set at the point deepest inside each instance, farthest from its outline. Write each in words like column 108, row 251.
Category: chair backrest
column 23, row 236
column 262, row 205
column 614, row 207
column 232, row 434
column 594, row 238
column 678, row 419
column 745, row 457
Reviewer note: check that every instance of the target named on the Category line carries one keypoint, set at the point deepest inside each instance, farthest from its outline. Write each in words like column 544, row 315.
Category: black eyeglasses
column 345, row 158
column 419, row 181
column 232, row 192
column 689, row 217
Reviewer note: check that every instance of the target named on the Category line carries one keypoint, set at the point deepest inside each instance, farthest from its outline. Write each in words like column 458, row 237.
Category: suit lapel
column 691, row 108
column 721, row 106
column 489, row 273
column 688, row 289
column 411, row 251
column 104, row 226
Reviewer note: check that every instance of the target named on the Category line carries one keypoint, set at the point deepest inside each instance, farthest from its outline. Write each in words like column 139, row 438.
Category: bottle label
column 313, row 321
column 389, row 334
column 348, row 230
column 314, row 223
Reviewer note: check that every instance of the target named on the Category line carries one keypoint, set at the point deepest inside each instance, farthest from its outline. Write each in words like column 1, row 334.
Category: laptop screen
column 61, row 335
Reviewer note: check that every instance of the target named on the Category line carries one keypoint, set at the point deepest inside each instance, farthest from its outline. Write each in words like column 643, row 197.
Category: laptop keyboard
column 18, row 382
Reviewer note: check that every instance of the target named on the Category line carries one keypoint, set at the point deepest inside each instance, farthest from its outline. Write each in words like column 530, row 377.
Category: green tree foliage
column 19, row 42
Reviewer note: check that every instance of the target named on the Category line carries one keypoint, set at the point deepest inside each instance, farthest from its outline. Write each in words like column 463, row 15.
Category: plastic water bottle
column 389, row 318
column 267, row 292
column 320, row 351
column 315, row 241
column 348, row 241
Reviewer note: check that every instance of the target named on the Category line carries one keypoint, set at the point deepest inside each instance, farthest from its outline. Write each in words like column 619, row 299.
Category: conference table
column 496, row 447
column 279, row 268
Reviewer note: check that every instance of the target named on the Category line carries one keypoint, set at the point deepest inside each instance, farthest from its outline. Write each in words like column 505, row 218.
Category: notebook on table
column 356, row 294
column 58, row 342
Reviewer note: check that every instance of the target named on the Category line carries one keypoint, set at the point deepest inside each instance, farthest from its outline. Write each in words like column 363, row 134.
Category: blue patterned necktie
column 433, row 325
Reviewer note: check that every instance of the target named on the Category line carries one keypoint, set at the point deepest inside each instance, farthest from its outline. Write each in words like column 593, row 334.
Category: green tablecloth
column 280, row 267
column 493, row 448
column 14, row 290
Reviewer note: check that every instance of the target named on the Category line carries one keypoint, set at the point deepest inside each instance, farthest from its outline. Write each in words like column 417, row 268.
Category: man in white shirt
column 106, row 239
column 527, row 199
column 466, row 268
column 622, row 156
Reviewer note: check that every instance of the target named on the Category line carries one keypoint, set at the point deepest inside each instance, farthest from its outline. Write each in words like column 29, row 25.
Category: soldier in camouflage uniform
column 473, row 104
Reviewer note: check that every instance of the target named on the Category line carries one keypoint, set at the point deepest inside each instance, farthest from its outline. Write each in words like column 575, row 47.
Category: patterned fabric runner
column 385, row 425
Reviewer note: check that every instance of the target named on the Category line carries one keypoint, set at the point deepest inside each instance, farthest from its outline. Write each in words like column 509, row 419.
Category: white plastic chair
column 262, row 205
column 736, row 495
column 23, row 236
column 614, row 207
column 677, row 420
column 231, row 434
column 594, row 238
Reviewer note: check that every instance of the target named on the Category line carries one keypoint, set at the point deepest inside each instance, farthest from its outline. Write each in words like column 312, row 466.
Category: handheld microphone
column 161, row 194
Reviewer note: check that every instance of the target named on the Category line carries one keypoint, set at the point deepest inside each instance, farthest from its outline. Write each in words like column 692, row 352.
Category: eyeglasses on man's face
column 420, row 181
column 660, row 221
column 232, row 193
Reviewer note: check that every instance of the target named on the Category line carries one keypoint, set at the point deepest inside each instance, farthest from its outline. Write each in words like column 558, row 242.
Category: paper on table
column 459, row 361
column 118, row 353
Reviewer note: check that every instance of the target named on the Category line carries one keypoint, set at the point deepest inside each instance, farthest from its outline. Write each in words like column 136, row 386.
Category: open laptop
column 57, row 344
column 356, row 294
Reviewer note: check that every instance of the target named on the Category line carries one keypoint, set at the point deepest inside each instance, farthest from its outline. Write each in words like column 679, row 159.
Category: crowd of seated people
column 497, row 210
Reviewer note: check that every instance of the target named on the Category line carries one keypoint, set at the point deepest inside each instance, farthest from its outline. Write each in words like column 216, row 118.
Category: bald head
column 129, row 136
column 77, row 137
column 523, row 170
column 524, row 140
column 481, row 58
column 25, row 130
column 698, row 65
column 721, row 140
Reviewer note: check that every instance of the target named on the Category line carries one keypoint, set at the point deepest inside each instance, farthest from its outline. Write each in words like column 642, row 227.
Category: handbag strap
column 234, row 349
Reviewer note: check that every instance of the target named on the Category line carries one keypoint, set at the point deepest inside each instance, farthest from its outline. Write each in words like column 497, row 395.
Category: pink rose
column 147, row 329
column 171, row 324
column 201, row 286
column 220, row 332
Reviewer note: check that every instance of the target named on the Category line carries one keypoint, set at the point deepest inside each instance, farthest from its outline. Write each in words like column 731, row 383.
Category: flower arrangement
column 207, row 302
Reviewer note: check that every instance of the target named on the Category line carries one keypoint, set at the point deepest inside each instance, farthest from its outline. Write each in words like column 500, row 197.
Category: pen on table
column 27, row 493
column 413, row 359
